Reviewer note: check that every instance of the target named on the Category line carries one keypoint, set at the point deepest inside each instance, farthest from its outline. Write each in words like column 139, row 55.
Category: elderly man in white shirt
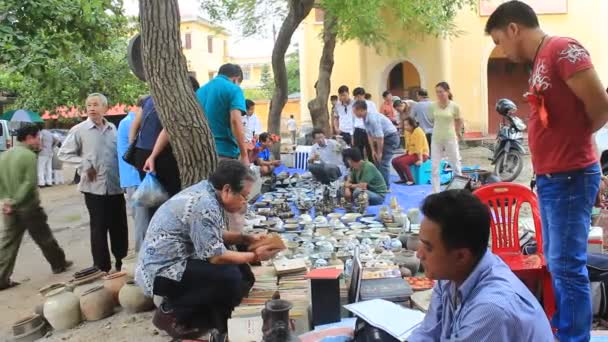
column 91, row 145
column 325, row 162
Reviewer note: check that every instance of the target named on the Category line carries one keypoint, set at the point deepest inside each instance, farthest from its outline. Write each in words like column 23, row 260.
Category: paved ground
column 69, row 220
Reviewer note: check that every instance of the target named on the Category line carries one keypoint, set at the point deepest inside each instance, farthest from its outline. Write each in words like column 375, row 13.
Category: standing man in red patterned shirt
column 568, row 105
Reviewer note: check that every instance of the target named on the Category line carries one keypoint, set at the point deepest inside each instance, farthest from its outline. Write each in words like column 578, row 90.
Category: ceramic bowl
column 334, row 216
column 291, row 221
column 395, row 230
column 350, row 217
column 261, row 204
column 291, row 227
column 321, row 220
column 356, row 225
column 393, row 225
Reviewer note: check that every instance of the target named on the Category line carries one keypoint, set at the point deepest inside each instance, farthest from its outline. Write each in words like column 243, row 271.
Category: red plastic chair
column 505, row 201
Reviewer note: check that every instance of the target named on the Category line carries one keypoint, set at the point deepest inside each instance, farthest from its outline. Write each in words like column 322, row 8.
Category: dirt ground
column 69, row 221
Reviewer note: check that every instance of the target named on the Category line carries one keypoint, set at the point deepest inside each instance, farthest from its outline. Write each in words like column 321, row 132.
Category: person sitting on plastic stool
column 264, row 160
column 416, row 151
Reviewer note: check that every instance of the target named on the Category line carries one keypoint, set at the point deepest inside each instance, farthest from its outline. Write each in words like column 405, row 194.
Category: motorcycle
column 509, row 147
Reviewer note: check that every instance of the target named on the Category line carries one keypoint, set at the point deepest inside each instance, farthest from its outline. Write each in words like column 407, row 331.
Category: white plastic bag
column 150, row 193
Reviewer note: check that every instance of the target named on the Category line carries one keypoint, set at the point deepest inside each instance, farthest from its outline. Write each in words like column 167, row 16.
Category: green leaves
column 392, row 23
column 33, row 31
column 68, row 80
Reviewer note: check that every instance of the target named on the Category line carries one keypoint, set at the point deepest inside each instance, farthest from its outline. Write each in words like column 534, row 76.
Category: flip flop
column 9, row 285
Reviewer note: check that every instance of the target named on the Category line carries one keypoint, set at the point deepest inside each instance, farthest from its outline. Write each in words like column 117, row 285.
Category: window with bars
column 210, row 44
column 188, row 41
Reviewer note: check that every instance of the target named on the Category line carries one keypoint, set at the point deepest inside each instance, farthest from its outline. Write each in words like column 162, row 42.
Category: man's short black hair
column 27, row 130
column 334, row 97
column 264, row 137
column 194, row 83
column 353, row 154
column 423, row 93
column 249, row 103
column 291, row 116
column 232, row 173
column 514, row 11
column 463, row 218
column 360, row 104
column 343, row 89
column 386, row 92
column 231, row 70
column 317, row 131
column 359, row 91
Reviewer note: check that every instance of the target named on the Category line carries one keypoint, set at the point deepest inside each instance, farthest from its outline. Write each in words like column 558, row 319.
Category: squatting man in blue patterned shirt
column 476, row 297
column 185, row 259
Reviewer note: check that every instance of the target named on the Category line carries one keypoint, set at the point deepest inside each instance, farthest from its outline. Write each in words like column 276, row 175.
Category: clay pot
column 128, row 265
column 132, row 298
column 80, row 289
column 413, row 242
column 45, row 290
column 29, row 329
column 61, row 309
column 96, row 303
column 403, row 236
column 27, row 324
column 409, row 260
column 114, row 282
column 405, row 272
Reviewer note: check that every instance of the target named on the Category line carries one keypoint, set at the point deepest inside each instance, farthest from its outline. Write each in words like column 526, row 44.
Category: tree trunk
column 298, row 11
column 167, row 75
column 318, row 106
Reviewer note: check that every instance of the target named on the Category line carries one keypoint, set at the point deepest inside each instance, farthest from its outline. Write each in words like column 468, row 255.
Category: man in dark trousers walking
column 21, row 209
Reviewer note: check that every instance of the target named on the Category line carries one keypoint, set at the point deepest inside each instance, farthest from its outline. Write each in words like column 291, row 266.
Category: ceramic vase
column 132, row 298
column 114, row 282
column 414, row 215
column 128, row 265
column 413, row 241
column 96, row 303
column 403, row 236
column 61, row 309
column 409, row 260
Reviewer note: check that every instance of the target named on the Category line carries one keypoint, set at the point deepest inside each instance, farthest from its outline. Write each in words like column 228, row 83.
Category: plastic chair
column 505, row 201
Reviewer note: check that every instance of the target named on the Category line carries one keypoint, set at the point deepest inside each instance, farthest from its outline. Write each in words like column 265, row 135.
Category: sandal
column 9, row 285
column 409, row 183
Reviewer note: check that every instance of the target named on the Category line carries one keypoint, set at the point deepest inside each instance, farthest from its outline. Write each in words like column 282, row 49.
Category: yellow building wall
column 462, row 61
column 292, row 107
column 199, row 59
column 255, row 76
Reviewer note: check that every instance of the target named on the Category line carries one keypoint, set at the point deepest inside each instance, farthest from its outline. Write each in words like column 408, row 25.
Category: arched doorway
column 403, row 80
column 506, row 80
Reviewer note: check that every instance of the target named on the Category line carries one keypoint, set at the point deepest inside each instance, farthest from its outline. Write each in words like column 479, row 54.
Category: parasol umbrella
column 21, row 115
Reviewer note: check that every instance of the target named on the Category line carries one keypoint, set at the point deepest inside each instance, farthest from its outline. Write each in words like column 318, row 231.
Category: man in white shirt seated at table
column 325, row 162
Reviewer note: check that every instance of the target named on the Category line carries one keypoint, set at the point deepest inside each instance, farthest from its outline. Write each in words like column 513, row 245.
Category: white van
column 5, row 137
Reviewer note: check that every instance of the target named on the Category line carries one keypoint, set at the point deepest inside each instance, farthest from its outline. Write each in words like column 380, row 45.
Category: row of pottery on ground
column 64, row 309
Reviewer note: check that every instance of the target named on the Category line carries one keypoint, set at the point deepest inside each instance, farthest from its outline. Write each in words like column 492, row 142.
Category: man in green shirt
column 21, row 209
column 364, row 176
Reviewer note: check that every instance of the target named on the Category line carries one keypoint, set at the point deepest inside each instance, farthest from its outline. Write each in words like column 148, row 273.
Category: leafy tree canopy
column 55, row 52
column 32, row 32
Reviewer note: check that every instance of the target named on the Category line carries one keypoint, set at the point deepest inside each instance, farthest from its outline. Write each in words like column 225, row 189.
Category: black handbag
column 129, row 155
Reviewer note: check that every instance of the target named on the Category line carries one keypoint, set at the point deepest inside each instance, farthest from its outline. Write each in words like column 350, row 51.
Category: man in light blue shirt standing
column 476, row 297
column 383, row 137
column 129, row 179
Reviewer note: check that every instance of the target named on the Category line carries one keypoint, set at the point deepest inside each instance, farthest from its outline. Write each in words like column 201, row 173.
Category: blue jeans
column 391, row 143
column 373, row 198
column 566, row 200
